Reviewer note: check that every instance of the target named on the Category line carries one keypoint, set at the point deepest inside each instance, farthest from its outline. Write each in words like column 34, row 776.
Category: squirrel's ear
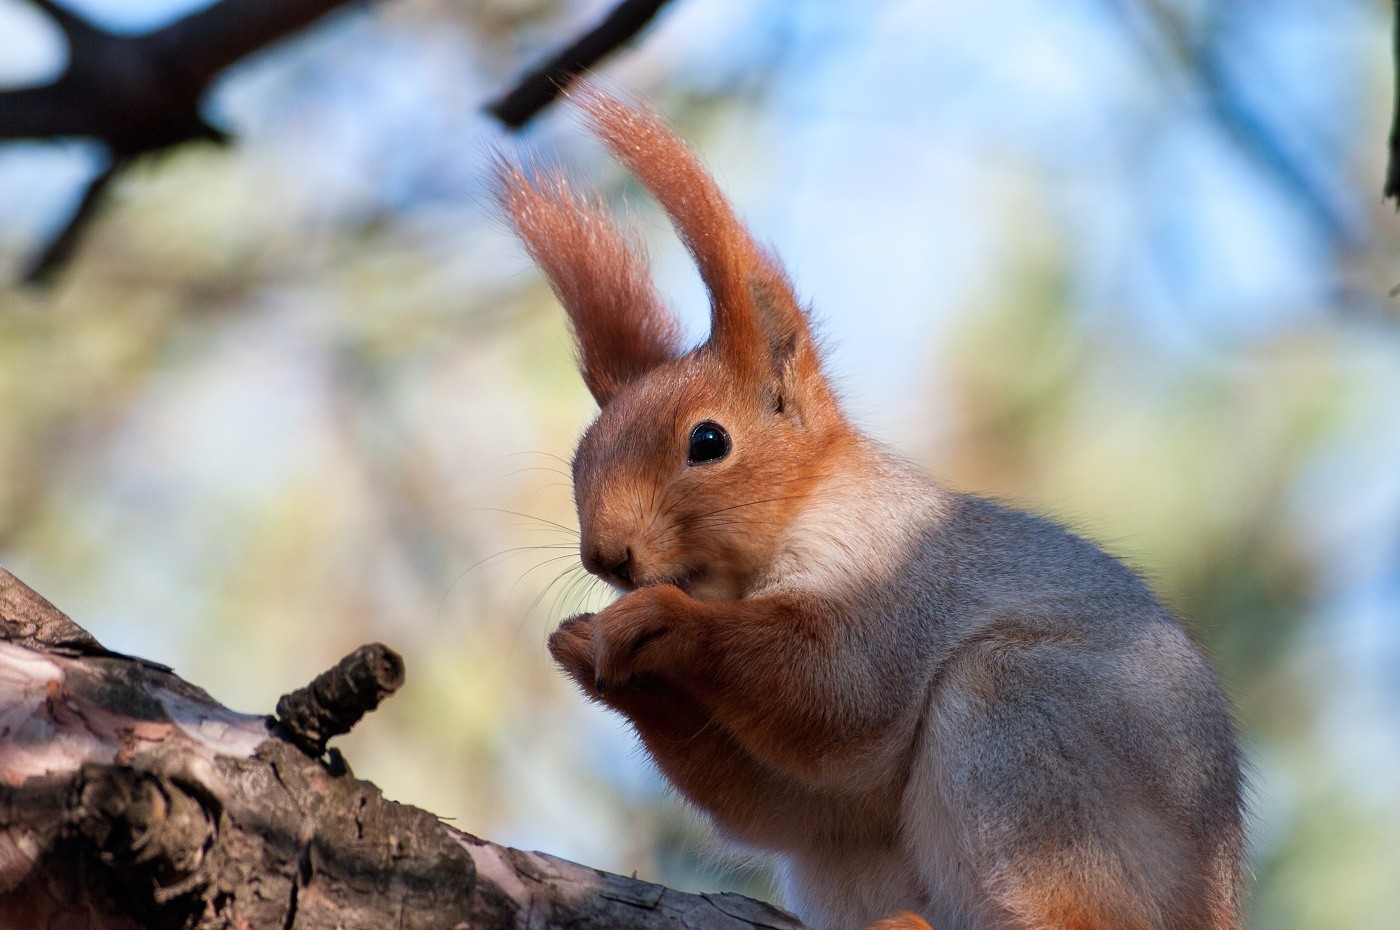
column 756, row 319
column 620, row 324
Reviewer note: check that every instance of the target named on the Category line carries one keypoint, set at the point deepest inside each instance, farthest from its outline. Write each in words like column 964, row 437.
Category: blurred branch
column 540, row 87
column 1392, row 167
column 1165, row 32
column 140, row 94
column 129, row 797
column 43, row 267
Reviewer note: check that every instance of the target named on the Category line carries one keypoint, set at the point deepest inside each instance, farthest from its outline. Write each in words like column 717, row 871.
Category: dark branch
column 1188, row 53
column 539, row 88
column 336, row 700
column 42, row 269
column 201, row 45
column 65, row 19
column 139, row 94
column 1392, row 168
column 52, row 111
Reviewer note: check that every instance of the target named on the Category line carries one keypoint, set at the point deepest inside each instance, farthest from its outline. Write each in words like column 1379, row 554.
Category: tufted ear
column 756, row 320
column 620, row 324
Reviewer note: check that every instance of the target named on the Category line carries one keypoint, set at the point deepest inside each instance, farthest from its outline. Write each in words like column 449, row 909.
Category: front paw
column 571, row 645
column 638, row 637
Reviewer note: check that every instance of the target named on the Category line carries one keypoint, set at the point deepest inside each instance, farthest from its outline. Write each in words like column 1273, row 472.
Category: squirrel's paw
column 636, row 636
column 571, row 645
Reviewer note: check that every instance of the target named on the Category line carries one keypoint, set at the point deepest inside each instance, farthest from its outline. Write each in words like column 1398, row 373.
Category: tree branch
column 540, row 87
column 47, row 262
column 131, row 799
column 28, row 620
column 336, row 700
column 204, row 43
column 1392, row 167
column 139, row 94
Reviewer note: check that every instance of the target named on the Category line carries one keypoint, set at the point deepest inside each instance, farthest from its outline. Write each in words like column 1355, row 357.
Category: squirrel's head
column 699, row 461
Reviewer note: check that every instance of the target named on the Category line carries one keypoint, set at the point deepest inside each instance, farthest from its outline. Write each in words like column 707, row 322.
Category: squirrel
column 930, row 708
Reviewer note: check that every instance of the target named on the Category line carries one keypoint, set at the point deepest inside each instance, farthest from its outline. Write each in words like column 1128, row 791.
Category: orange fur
column 621, row 324
column 904, row 920
column 753, row 305
column 702, row 759
column 1055, row 904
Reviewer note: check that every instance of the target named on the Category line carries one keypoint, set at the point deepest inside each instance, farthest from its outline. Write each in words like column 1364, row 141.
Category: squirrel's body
column 1008, row 622
column 921, row 701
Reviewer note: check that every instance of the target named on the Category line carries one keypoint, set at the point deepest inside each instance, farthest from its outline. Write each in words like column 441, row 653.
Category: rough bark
column 129, row 798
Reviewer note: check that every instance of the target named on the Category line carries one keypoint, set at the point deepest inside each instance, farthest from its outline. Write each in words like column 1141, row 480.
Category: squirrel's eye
column 708, row 441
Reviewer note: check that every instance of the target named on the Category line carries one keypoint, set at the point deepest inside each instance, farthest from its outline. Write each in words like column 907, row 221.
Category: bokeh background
column 1121, row 261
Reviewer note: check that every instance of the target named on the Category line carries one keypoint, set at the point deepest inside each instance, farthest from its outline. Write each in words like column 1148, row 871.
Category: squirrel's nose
column 600, row 563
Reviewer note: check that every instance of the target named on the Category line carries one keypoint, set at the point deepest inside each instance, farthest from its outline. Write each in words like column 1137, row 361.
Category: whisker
column 535, row 527
column 547, row 455
column 568, row 486
column 547, row 588
column 526, row 516
column 766, row 500
column 529, row 468
column 684, row 497
column 557, row 558
column 574, row 595
column 513, row 550
column 486, row 560
column 529, row 611
column 676, row 525
column 566, row 600
column 717, row 524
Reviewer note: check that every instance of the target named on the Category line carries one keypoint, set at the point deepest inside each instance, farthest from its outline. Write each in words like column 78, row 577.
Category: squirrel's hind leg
column 1062, row 833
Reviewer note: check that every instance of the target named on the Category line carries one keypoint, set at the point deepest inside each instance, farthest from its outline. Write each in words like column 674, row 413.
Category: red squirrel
column 930, row 708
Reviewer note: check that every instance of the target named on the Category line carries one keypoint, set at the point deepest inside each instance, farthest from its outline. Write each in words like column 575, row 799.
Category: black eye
column 708, row 441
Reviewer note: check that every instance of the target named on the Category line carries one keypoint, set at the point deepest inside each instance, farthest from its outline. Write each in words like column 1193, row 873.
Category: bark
column 129, row 798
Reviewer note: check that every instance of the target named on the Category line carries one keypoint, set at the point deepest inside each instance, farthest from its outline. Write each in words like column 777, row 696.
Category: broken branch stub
column 339, row 697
